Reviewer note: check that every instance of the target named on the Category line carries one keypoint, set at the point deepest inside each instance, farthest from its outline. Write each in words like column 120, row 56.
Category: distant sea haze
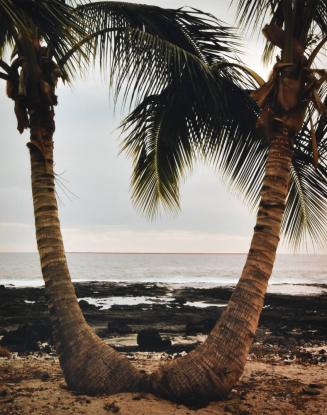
column 294, row 274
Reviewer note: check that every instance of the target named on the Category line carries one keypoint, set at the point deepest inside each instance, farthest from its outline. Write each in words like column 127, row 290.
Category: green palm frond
column 306, row 209
column 192, row 30
column 151, row 46
column 236, row 148
column 166, row 132
column 161, row 150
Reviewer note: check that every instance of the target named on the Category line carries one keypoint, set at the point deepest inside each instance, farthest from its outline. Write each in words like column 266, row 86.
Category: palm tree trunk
column 210, row 371
column 89, row 365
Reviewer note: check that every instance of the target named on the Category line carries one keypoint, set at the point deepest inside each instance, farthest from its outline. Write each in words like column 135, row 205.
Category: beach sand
column 34, row 384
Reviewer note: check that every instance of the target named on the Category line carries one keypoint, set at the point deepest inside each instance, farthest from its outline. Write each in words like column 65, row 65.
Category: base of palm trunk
column 193, row 379
column 96, row 368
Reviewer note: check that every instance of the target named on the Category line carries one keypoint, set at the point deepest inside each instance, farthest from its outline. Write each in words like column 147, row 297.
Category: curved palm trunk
column 89, row 365
column 210, row 371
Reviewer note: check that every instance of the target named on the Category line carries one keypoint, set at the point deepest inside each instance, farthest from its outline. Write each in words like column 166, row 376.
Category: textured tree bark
column 89, row 365
column 210, row 371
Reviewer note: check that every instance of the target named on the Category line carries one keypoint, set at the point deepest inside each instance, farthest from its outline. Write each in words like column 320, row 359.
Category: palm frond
column 166, row 132
column 235, row 147
column 192, row 30
column 9, row 19
column 306, row 210
column 151, row 46
column 160, row 155
column 53, row 21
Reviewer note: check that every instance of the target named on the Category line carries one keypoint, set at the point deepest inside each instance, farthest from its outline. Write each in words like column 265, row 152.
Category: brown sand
column 33, row 385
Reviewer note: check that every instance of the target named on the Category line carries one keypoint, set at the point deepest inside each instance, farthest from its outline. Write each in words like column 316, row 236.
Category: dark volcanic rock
column 85, row 306
column 287, row 322
column 99, row 289
column 26, row 338
column 150, row 339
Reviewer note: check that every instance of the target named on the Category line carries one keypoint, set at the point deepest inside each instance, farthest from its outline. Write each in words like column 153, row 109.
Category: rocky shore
column 172, row 319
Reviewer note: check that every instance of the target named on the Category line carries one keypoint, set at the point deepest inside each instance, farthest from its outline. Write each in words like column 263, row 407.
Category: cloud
column 20, row 237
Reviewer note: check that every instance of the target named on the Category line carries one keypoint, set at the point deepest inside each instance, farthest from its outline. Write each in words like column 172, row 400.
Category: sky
column 93, row 183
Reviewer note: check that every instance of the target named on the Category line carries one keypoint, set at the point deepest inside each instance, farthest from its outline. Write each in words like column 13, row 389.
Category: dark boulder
column 150, row 340
column 85, row 306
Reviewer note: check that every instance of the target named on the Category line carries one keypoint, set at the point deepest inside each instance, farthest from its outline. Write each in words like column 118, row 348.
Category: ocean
column 294, row 274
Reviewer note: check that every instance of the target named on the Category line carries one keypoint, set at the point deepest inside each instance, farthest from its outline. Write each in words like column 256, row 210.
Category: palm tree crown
column 164, row 131
column 298, row 30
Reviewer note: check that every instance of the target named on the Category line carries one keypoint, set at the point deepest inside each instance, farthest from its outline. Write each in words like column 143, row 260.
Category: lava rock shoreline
column 287, row 323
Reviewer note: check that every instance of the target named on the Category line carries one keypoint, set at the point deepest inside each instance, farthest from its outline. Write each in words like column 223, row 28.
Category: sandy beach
column 34, row 385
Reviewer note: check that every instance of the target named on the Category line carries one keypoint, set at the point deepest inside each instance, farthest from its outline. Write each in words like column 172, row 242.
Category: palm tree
column 280, row 159
column 146, row 49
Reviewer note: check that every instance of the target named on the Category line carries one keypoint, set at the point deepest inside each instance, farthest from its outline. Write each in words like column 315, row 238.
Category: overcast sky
column 95, row 207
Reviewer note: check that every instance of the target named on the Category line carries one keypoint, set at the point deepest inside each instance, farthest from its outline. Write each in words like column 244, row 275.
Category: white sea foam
column 107, row 302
